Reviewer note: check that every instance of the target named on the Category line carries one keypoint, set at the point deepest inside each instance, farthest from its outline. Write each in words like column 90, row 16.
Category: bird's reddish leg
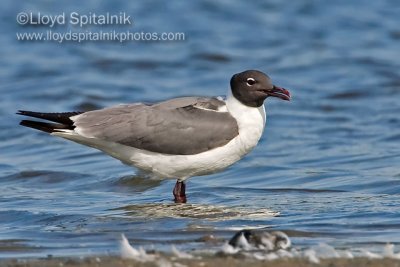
column 179, row 192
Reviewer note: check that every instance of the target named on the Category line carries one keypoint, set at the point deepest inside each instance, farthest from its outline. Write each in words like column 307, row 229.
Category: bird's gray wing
column 182, row 126
column 210, row 103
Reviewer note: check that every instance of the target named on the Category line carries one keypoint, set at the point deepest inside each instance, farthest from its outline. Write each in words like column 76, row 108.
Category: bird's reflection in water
column 136, row 183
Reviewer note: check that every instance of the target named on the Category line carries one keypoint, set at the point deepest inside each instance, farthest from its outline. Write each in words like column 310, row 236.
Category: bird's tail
column 61, row 121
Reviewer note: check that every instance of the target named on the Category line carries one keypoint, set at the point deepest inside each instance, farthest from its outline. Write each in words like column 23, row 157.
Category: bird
column 177, row 138
column 260, row 239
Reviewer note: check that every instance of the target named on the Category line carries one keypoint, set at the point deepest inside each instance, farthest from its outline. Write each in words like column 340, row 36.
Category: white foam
column 370, row 255
column 388, row 252
column 181, row 254
column 129, row 252
column 311, row 255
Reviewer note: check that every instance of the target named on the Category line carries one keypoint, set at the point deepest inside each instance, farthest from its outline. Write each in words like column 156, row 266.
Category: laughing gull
column 178, row 138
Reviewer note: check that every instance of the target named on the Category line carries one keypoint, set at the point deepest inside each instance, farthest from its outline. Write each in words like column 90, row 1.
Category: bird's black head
column 252, row 87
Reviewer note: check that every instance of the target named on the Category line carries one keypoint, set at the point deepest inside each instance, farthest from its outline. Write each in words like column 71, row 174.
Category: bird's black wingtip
column 24, row 112
column 41, row 126
column 59, row 117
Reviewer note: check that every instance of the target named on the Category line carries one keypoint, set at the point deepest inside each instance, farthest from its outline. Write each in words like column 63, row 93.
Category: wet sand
column 205, row 261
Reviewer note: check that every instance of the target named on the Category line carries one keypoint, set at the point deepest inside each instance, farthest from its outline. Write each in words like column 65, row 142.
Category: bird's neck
column 245, row 115
column 251, row 123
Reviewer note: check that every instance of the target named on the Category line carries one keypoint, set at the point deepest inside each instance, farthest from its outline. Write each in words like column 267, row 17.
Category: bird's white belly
column 184, row 166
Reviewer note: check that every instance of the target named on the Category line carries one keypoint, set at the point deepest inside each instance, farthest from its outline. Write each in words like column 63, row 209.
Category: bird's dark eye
column 250, row 81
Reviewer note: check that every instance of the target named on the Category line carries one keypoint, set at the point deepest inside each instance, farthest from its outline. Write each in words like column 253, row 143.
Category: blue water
column 328, row 162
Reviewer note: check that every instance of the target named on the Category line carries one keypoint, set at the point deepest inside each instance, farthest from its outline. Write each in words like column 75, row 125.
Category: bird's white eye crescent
column 250, row 81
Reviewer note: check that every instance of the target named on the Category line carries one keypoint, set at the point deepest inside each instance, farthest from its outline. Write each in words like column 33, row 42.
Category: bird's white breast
column 251, row 122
